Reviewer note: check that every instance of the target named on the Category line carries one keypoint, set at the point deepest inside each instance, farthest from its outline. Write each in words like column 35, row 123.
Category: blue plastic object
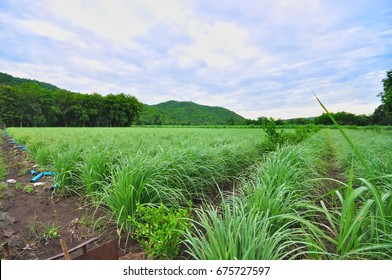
column 54, row 187
column 49, row 173
column 32, row 172
column 36, row 178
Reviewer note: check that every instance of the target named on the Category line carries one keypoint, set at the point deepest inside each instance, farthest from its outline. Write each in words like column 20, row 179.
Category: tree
column 386, row 95
column 26, row 102
column 157, row 120
column 9, row 109
column 383, row 113
column 343, row 118
column 380, row 117
column 323, row 119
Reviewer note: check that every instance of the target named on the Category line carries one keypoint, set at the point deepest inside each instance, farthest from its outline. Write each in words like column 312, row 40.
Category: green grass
column 296, row 216
column 235, row 232
column 261, row 221
column 358, row 218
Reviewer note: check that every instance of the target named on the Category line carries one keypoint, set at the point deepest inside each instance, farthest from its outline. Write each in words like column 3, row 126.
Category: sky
column 257, row 58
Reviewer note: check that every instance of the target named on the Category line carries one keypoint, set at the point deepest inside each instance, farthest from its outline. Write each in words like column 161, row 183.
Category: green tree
column 386, row 95
column 157, row 120
column 383, row 113
column 9, row 109
column 26, row 102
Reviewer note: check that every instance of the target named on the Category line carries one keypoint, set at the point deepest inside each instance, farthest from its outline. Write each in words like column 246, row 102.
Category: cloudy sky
column 257, row 58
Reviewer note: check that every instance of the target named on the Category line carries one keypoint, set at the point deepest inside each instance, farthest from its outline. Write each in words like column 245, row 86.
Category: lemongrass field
column 320, row 199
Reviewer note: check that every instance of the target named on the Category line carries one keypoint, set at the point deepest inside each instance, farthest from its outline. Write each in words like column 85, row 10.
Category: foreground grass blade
column 355, row 150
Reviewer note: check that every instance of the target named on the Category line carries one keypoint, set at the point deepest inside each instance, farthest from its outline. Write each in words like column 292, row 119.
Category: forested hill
column 25, row 102
column 14, row 81
column 188, row 113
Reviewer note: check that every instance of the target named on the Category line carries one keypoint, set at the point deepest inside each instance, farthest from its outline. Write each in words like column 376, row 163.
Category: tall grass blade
column 353, row 147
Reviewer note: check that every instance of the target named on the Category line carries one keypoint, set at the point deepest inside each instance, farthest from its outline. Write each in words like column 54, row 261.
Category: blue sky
column 257, row 58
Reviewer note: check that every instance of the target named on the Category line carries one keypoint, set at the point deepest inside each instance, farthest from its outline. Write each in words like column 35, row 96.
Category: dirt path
column 333, row 169
column 33, row 219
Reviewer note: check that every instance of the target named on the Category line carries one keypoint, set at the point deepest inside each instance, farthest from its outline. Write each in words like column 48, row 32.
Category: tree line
column 26, row 102
column 30, row 104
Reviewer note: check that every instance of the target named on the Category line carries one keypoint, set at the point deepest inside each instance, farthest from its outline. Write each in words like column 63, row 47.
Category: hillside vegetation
column 25, row 102
column 188, row 113
column 15, row 81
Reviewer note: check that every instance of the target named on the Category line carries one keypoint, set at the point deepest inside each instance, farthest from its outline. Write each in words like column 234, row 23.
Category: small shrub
column 277, row 138
column 42, row 231
column 51, row 232
column 28, row 189
column 159, row 230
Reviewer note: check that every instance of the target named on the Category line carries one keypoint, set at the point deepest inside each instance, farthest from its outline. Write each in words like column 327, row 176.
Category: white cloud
column 253, row 57
column 47, row 29
column 221, row 45
column 118, row 21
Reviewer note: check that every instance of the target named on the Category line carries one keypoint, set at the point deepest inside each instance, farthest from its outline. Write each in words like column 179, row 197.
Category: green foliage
column 184, row 160
column 260, row 222
column 279, row 206
column 160, row 229
column 386, row 95
column 28, row 189
column 44, row 231
column 277, row 138
column 29, row 103
column 51, row 232
column 14, row 81
column 130, row 186
column 361, row 227
column 343, row 118
column 237, row 231
column 3, row 190
column 95, row 167
column 352, row 146
column 383, row 113
column 187, row 113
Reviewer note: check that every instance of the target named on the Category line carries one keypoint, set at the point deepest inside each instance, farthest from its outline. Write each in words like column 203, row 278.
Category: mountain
column 14, row 81
column 188, row 113
column 170, row 112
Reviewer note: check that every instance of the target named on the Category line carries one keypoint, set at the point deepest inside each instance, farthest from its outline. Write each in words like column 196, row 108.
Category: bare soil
column 33, row 219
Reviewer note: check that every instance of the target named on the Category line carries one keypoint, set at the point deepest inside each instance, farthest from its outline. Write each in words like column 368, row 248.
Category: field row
column 291, row 209
column 122, row 167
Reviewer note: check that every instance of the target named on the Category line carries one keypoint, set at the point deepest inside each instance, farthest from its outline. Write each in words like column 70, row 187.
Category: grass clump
column 238, row 231
column 135, row 181
column 42, row 231
column 28, row 189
